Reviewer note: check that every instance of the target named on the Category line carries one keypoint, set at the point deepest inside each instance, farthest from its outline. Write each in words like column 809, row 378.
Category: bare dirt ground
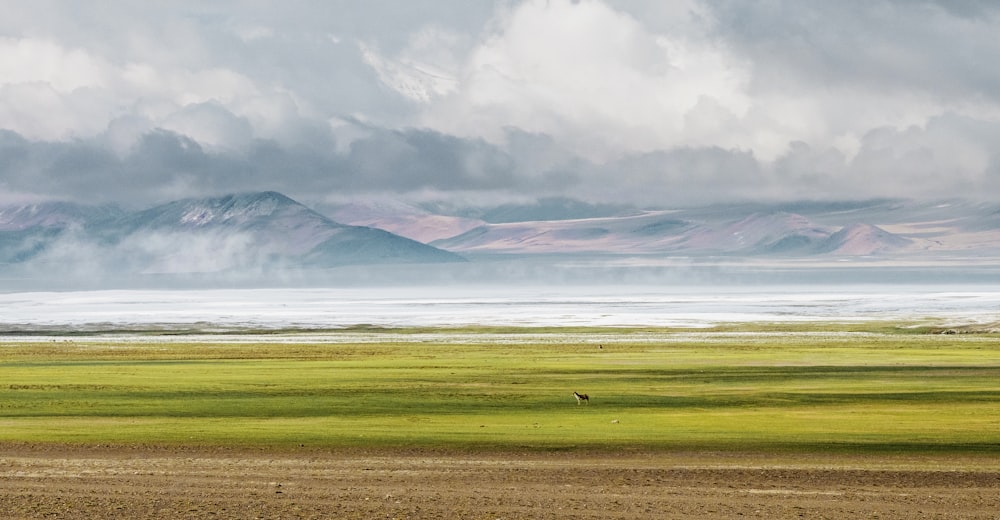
column 127, row 482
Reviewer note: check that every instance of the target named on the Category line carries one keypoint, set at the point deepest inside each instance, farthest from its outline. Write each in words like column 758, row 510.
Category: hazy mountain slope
column 22, row 245
column 53, row 215
column 27, row 231
column 271, row 228
column 827, row 229
column 863, row 239
column 279, row 223
column 259, row 232
column 554, row 208
column 775, row 232
column 402, row 219
column 432, row 222
column 362, row 245
column 648, row 231
column 255, row 232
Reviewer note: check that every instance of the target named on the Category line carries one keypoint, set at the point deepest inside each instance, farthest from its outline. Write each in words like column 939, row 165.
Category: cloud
column 210, row 124
column 680, row 176
column 885, row 44
column 951, row 154
column 76, row 255
column 589, row 75
column 424, row 70
column 163, row 165
column 829, row 72
column 655, row 102
column 413, row 160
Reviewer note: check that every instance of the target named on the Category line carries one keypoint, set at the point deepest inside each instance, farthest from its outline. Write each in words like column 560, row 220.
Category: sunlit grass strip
column 818, row 393
column 968, row 428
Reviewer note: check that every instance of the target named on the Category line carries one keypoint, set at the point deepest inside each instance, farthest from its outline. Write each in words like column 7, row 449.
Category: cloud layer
column 650, row 102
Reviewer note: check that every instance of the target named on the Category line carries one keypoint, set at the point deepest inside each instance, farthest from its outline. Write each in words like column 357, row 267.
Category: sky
column 648, row 102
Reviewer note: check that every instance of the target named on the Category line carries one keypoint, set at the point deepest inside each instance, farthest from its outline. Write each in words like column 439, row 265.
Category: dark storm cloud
column 686, row 175
column 55, row 169
column 164, row 165
column 414, row 159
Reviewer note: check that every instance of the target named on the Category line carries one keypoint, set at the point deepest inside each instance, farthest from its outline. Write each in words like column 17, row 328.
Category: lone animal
column 581, row 397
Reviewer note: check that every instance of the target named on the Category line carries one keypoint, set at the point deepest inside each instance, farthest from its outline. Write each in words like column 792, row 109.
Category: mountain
column 429, row 222
column 553, row 208
column 402, row 219
column 758, row 233
column 269, row 232
column 649, row 231
column 825, row 229
column 27, row 230
column 863, row 239
column 254, row 231
column 53, row 214
column 278, row 222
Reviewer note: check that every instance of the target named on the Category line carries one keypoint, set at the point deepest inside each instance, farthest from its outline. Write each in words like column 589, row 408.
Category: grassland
column 874, row 388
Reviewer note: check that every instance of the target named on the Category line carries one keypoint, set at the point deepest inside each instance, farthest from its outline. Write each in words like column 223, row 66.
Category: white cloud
column 586, row 73
column 426, row 69
column 33, row 60
column 949, row 154
column 210, row 124
column 417, row 81
column 51, row 92
column 719, row 98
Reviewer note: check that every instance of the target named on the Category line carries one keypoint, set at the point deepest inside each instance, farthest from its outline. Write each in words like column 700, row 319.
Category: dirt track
column 71, row 483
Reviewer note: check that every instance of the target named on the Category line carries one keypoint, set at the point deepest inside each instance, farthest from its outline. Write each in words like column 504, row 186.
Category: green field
column 874, row 388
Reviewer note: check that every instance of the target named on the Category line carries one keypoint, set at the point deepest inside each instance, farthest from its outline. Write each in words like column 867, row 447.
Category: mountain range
column 255, row 231
column 868, row 229
column 265, row 232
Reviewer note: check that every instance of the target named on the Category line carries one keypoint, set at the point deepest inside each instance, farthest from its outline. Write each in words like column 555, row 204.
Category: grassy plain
column 864, row 389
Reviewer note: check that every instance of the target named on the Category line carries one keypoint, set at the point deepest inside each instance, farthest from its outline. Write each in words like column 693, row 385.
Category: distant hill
column 267, row 232
column 402, row 219
column 757, row 233
column 863, row 239
column 553, row 208
column 825, row 229
column 54, row 214
column 542, row 209
column 253, row 231
column 27, row 231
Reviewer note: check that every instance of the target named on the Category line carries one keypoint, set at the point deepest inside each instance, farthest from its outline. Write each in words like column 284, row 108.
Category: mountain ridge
column 262, row 232
column 257, row 232
column 53, row 214
column 825, row 229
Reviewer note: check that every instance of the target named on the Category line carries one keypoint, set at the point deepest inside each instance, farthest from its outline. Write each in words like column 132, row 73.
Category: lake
column 447, row 305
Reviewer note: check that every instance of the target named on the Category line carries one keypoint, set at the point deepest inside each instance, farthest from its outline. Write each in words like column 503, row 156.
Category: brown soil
column 106, row 482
